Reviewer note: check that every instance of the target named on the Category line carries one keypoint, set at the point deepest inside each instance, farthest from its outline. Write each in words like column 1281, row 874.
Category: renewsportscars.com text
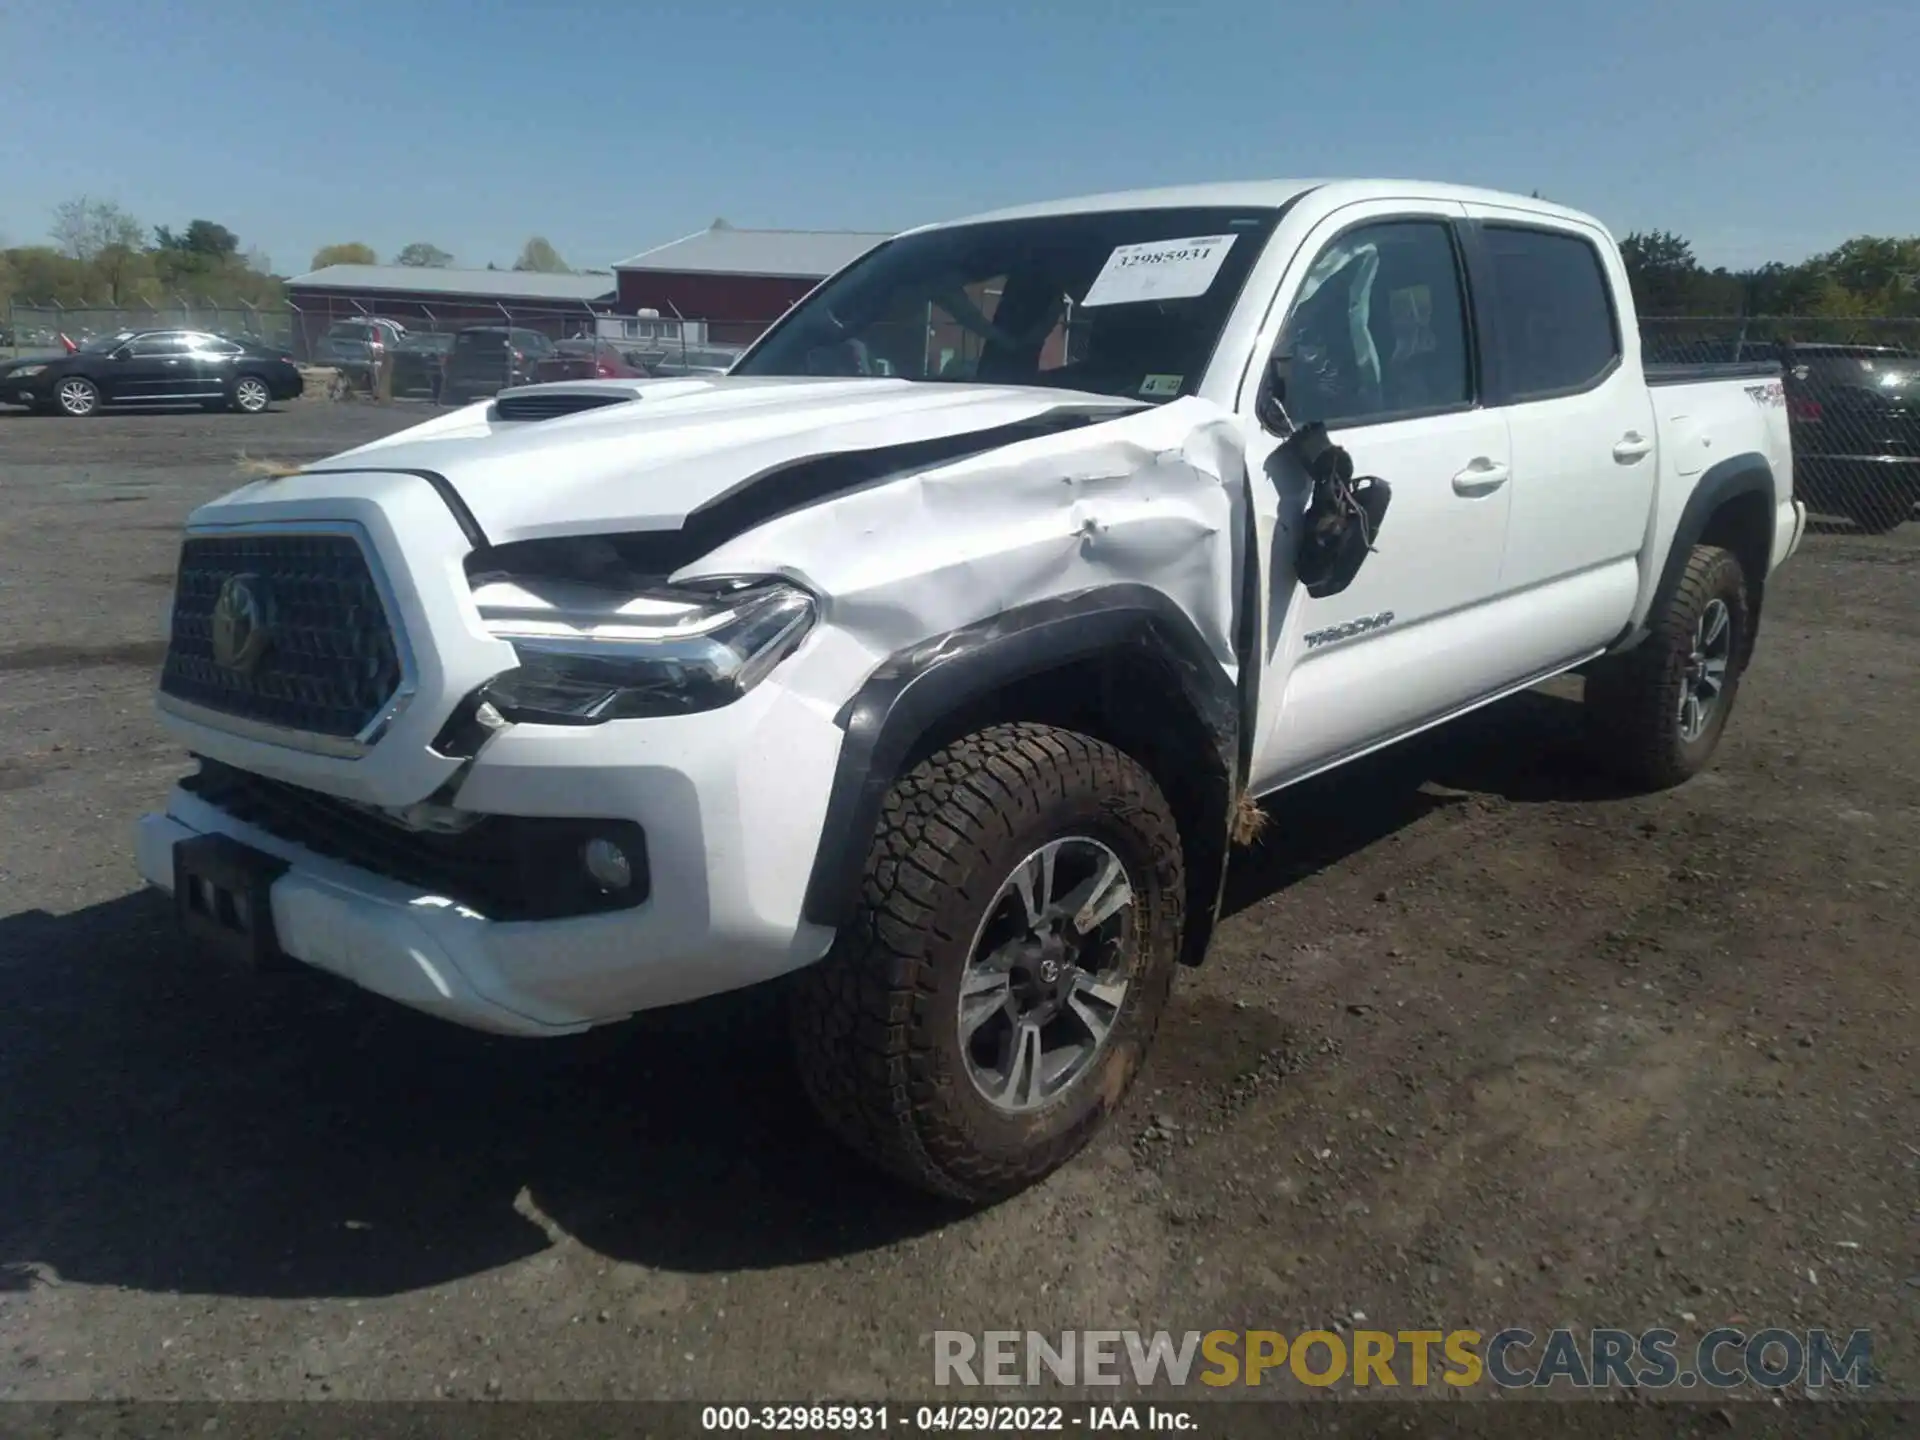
column 1511, row 1359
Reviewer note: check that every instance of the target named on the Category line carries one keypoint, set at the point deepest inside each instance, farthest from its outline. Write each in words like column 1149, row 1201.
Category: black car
column 151, row 367
column 486, row 358
column 1854, row 411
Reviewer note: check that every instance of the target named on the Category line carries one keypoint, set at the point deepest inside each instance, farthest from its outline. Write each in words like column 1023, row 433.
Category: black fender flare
column 1750, row 473
column 912, row 691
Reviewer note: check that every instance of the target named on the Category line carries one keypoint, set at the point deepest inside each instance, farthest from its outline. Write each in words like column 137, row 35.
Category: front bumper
column 33, row 390
column 731, row 802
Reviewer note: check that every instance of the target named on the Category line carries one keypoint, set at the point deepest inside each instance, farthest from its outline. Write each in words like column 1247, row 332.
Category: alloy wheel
column 1703, row 677
column 77, row 396
column 1047, row 975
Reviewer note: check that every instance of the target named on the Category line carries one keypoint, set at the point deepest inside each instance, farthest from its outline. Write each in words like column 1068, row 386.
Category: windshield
column 1123, row 302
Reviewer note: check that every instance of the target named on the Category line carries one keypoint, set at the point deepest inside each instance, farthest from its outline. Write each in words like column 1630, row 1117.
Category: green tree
column 84, row 227
column 539, row 254
column 204, row 238
column 350, row 252
column 1661, row 270
column 1879, row 273
column 420, row 253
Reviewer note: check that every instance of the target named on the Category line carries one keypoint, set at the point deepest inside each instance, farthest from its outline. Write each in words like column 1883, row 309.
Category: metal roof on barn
column 435, row 280
column 776, row 254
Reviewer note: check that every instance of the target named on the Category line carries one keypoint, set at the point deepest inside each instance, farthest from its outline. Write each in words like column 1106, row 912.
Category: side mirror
column 123, row 353
column 1343, row 517
column 1270, row 403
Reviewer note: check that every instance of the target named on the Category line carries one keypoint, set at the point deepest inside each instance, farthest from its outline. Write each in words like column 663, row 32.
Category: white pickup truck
column 935, row 657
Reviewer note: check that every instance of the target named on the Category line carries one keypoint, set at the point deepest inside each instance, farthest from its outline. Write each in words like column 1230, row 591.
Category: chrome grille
column 330, row 665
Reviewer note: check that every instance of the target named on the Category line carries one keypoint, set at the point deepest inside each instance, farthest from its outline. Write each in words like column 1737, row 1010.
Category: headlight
column 589, row 654
column 21, row 372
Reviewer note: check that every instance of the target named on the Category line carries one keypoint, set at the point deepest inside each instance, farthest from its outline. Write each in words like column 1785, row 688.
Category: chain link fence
column 32, row 328
column 1853, row 401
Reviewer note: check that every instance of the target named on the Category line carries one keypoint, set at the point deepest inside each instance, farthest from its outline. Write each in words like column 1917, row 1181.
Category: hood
column 667, row 448
column 43, row 358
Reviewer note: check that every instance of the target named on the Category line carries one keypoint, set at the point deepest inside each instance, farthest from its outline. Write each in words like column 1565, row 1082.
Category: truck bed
column 1691, row 374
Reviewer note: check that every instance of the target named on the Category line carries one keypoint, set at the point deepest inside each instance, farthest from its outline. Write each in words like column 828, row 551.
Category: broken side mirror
column 1270, row 401
column 1343, row 516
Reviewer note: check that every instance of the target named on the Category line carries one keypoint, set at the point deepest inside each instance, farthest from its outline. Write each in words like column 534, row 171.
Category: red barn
column 737, row 281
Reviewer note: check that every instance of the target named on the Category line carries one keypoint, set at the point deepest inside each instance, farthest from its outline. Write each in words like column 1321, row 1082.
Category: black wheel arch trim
column 915, row 689
column 1750, row 473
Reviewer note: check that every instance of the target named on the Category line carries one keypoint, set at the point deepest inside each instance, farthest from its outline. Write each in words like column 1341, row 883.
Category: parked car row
column 460, row 366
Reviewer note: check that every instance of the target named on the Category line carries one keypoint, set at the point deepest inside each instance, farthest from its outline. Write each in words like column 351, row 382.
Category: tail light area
column 1804, row 410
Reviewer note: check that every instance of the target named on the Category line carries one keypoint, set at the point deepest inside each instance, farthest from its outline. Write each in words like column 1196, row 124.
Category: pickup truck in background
column 932, row 660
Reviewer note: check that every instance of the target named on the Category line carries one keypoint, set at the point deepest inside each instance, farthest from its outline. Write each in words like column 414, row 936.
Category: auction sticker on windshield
column 1160, row 270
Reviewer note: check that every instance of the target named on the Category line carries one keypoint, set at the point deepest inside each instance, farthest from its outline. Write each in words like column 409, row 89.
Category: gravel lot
column 1483, row 1044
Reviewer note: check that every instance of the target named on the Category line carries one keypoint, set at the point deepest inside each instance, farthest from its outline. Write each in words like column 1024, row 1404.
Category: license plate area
column 222, row 898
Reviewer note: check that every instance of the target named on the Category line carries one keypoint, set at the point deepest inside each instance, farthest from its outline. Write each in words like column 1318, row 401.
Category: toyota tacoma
column 931, row 661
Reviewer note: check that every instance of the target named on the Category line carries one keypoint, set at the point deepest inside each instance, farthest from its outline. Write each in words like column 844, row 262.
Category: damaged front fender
column 1124, row 542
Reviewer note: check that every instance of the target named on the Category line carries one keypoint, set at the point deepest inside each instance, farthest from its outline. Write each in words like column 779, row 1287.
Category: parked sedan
column 151, row 367
column 696, row 362
column 587, row 360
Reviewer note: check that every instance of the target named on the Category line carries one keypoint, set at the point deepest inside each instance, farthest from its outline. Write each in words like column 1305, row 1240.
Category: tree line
column 1867, row 276
column 101, row 255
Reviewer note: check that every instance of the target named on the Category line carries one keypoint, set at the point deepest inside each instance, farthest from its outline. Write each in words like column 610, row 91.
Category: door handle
column 1482, row 477
column 1633, row 446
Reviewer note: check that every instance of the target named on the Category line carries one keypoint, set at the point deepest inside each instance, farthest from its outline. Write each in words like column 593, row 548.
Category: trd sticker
column 1771, row 395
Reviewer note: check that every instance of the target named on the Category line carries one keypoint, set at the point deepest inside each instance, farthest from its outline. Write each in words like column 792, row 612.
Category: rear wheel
column 1016, row 938
column 1658, row 710
column 76, row 395
column 251, row 395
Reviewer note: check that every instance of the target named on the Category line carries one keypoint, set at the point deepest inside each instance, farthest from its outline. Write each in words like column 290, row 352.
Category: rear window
column 480, row 340
column 1553, row 309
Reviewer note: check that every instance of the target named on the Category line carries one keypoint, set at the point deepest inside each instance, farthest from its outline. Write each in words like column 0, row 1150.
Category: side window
column 1554, row 311
column 148, row 345
column 1379, row 329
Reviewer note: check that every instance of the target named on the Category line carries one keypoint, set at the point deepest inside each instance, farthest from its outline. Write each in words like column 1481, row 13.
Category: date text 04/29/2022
column 933, row 1419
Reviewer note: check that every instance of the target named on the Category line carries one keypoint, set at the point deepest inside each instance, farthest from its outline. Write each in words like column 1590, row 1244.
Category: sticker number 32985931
column 1159, row 270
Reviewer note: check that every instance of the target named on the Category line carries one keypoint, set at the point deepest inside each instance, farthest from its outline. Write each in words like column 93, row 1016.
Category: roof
column 778, row 254
column 1270, row 194
column 434, row 280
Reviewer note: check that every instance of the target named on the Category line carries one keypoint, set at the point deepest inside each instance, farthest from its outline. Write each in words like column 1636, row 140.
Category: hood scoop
column 552, row 404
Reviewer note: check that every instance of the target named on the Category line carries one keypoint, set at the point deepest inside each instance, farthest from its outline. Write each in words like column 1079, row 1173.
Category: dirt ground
column 1483, row 1044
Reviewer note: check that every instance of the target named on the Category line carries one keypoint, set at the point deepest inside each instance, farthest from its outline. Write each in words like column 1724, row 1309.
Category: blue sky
column 1757, row 129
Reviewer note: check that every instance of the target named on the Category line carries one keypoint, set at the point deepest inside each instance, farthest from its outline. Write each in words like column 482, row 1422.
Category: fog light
column 606, row 864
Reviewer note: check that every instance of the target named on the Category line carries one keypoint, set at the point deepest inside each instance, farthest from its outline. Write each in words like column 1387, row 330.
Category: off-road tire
column 1633, row 699
column 875, row 1024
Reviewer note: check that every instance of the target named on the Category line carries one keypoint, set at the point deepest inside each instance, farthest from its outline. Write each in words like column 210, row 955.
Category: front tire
column 1658, row 710
column 77, row 396
column 1015, row 941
